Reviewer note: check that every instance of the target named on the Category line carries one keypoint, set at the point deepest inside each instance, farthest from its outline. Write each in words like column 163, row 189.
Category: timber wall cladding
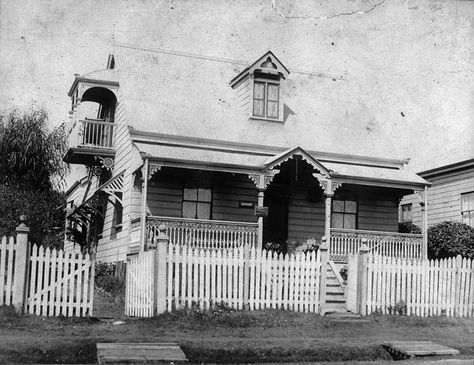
column 114, row 243
column 444, row 197
column 165, row 194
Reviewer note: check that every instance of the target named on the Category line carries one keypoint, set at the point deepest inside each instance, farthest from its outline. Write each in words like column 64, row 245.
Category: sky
column 412, row 60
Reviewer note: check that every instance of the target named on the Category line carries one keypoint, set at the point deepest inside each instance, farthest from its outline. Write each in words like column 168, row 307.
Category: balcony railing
column 96, row 133
column 346, row 241
column 200, row 233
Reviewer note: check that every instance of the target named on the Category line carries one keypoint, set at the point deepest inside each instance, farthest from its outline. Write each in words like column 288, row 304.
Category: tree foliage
column 31, row 172
column 408, row 227
column 449, row 239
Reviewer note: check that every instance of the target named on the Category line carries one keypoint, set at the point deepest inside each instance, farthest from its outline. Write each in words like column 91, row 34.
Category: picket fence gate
column 60, row 283
column 42, row 281
column 7, row 259
column 178, row 276
column 420, row 287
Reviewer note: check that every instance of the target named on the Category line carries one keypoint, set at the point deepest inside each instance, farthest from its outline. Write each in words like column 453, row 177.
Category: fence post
column 22, row 257
column 352, row 283
column 457, row 284
column 324, row 257
column 362, row 277
column 162, row 242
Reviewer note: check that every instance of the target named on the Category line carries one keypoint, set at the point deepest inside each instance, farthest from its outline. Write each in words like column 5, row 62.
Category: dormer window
column 266, row 99
column 265, row 79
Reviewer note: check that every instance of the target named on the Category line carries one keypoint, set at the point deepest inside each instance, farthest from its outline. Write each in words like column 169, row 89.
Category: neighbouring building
column 451, row 195
column 222, row 152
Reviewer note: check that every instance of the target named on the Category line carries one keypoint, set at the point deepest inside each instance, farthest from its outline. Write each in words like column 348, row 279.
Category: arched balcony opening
column 98, row 109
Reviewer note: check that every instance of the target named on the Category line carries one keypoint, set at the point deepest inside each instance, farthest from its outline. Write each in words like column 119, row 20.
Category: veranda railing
column 203, row 233
column 347, row 241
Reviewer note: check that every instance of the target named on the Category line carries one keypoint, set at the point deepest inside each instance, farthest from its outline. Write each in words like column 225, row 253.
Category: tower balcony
column 89, row 140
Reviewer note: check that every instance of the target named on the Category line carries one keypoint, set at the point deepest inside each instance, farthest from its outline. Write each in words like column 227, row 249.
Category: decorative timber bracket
column 328, row 185
column 420, row 194
column 261, row 181
column 152, row 169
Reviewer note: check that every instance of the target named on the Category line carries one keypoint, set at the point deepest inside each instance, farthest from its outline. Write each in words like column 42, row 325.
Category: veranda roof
column 377, row 175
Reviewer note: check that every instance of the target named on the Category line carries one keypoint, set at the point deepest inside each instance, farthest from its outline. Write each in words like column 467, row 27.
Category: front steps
column 335, row 293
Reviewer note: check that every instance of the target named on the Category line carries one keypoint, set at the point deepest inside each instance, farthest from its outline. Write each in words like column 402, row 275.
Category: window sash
column 344, row 214
column 467, row 208
column 197, row 203
column 406, row 213
column 266, row 99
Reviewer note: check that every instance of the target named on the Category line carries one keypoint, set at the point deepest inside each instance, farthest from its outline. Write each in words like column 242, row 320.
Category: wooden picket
column 420, row 287
column 7, row 253
column 242, row 278
column 139, row 296
column 60, row 283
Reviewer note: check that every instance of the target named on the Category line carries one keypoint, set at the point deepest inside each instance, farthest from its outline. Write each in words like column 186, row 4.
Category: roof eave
column 447, row 168
column 94, row 81
column 402, row 184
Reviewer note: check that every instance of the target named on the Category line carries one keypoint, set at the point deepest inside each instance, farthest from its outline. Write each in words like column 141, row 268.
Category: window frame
column 197, row 201
column 402, row 220
column 469, row 213
column 344, row 213
column 266, row 81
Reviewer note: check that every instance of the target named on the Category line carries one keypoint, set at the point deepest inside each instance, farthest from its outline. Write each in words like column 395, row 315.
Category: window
column 405, row 213
column 197, row 203
column 344, row 214
column 266, row 99
column 467, row 208
column 118, row 213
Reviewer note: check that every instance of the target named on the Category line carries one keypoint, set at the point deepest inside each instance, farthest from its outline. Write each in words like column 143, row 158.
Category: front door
column 275, row 225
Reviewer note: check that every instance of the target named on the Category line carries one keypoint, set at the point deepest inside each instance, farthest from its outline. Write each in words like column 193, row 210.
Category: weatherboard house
column 221, row 153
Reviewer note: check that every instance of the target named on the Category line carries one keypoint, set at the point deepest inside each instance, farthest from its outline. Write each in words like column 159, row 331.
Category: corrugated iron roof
column 102, row 75
column 202, row 156
column 403, row 175
column 190, row 96
column 258, row 161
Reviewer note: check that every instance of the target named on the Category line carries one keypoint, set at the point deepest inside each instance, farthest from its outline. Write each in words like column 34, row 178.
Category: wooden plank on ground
column 139, row 352
column 418, row 348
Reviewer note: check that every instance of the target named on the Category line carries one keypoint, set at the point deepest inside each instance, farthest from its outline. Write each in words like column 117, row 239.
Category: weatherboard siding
column 444, row 197
column 305, row 218
column 114, row 243
column 165, row 196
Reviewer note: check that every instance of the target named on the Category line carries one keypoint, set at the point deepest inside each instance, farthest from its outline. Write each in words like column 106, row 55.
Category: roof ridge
column 219, row 59
column 179, row 53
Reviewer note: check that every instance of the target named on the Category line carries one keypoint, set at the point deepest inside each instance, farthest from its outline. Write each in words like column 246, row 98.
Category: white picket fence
column 140, row 279
column 60, row 283
column 242, row 278
column 7, row 253
column 420, row 287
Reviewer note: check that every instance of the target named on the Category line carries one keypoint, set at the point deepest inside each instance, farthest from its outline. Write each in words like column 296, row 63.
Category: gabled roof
column 296, row 151
column 279, row 67
column 187, row 95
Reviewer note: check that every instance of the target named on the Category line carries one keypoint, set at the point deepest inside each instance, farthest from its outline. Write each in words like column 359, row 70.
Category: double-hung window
column 266, row 99
column 344, row 214
column 467, row 208
column 197, row 203
column 406, row 213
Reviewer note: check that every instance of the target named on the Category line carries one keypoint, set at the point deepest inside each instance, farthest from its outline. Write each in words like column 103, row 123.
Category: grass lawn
column 260, row 336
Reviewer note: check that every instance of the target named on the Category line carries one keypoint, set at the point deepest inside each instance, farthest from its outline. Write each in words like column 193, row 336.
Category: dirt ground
column 225, row 336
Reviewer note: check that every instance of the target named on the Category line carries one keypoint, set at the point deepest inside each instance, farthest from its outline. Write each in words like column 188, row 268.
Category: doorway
column 275, row 225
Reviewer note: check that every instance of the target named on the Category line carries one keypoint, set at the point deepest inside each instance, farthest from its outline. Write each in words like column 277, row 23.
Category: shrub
column 449, row 239
column 408, row 227
column 106, row 279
